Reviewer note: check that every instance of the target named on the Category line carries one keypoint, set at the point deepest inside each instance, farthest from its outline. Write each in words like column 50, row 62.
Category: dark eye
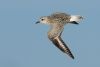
column 42, row 19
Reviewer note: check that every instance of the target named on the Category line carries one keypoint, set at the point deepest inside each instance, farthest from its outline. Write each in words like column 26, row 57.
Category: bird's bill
column 37, row 22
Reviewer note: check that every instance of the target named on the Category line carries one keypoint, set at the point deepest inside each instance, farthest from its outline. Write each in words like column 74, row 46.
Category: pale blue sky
column 25, row 44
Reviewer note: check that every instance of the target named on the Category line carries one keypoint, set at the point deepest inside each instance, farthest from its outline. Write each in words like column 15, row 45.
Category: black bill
column 37, row 22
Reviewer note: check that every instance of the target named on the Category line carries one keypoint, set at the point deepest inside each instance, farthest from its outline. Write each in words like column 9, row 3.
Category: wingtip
column 70, row 55
column 73, row 57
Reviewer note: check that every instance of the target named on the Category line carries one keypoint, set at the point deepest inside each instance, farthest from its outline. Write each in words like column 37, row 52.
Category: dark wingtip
column 68, row 52
column 73, row 57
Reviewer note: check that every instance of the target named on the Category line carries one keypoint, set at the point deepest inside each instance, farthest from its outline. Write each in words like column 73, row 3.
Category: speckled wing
column 61, row 17
column 55, row 36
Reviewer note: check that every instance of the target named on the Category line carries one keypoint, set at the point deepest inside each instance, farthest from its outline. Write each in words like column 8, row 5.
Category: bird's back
column 59, row 17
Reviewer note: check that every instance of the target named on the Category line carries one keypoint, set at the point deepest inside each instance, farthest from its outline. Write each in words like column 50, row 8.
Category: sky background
column 25, row 44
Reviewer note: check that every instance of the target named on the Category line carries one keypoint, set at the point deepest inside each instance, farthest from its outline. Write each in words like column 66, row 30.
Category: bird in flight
column 57, row 21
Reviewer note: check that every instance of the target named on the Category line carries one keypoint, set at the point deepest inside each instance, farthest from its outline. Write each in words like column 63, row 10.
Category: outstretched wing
column 58, row 42
column 55, row 36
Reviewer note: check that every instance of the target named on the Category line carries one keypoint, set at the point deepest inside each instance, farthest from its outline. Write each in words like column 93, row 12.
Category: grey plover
column 57, row 21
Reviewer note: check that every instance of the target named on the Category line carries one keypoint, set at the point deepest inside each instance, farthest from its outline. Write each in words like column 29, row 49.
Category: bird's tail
column 75, row 19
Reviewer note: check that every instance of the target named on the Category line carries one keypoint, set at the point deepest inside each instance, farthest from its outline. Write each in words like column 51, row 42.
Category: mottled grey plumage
column 57, row 21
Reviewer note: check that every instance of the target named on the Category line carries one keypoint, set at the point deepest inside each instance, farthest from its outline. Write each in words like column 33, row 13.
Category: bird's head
column 43, row 20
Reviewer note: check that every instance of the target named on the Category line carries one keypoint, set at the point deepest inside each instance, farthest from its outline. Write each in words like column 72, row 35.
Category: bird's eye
column 42, row 19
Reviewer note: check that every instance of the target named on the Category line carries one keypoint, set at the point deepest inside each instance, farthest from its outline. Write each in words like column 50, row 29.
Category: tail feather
column 74, row 22
column 75, row 19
